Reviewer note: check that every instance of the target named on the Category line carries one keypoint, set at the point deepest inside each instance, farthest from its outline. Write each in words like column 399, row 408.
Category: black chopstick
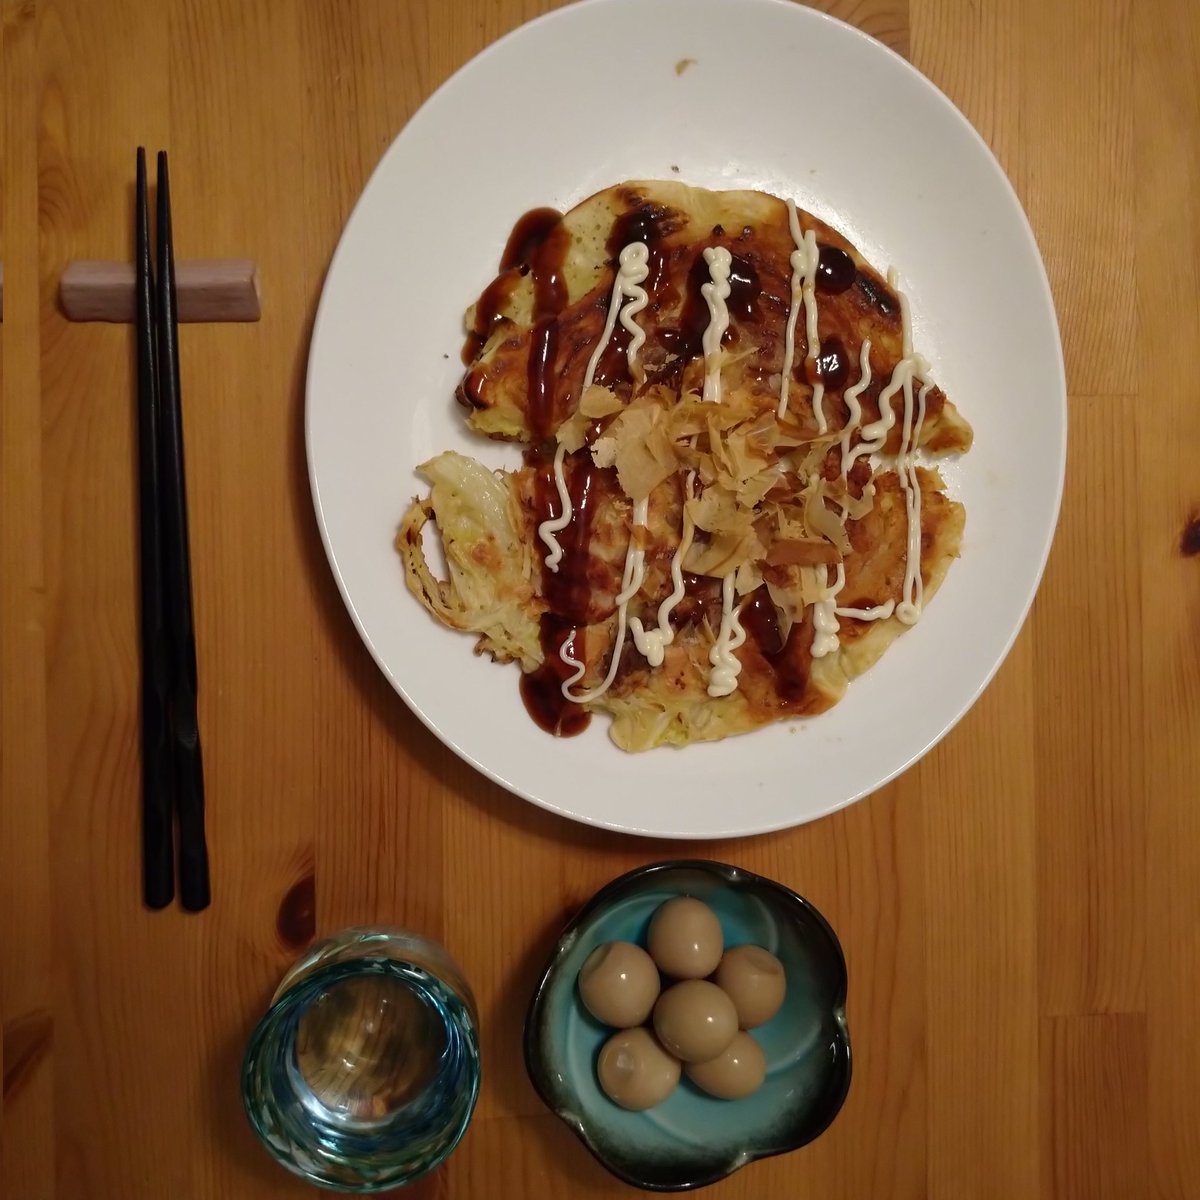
column 172, row 765
column 158, row 875
column 177, row 576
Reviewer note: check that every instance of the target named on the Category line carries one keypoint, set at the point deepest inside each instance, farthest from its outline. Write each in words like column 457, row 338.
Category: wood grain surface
column 1020, row 912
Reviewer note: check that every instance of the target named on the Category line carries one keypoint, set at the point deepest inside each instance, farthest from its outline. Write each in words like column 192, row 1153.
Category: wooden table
column 1021, row 912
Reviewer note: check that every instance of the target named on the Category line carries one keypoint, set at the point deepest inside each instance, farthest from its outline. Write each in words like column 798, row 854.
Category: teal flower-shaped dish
column 693, row 1139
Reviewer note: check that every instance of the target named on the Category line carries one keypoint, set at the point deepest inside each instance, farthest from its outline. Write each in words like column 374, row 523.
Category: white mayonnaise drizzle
column 549, row 529
column 876, row 432
column 635, row 263
column 912, row 598
column 726, row 668
column 722, row 680
column 628, row 299
column 804, row 260
column 716, row 292
column 825, row 622
column 825, row 610
column 877, row 612
column 653, row 643
column 875, row 436
column 851, row 396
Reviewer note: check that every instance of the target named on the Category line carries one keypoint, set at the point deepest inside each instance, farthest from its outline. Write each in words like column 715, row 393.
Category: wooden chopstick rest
column 208, row 289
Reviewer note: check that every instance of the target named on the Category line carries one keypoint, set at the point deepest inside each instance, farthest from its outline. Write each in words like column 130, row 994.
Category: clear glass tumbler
column 364, row 1072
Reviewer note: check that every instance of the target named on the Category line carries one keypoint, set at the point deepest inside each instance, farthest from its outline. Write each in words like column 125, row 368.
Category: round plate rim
column 1044, row 298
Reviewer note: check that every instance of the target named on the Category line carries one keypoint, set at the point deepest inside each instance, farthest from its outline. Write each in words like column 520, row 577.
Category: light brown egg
column 754, row 980
column 618, row 984
column 738, row 1071
column 635, row 1071
column 685, row 938
column 695, row 1020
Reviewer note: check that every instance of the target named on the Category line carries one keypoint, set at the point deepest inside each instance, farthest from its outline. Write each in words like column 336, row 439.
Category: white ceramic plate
column 776, row 97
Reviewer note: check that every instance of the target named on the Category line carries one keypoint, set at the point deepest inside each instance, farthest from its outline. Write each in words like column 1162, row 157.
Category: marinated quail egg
column 753, row 979
column 736, row 1072
column 635, row 1071
column 618, row 984
column 695, row 1020
column 685, row 938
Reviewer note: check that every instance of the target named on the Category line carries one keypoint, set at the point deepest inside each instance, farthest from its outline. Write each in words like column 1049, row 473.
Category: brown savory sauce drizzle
column 543, row 351
column 833, row 363
column 567, row 591
column 761, row 622
column 648, row 223
column 744, row 288
column 793, row 664
column 489, row 313
column 835, row 270
column 613, row 364
column 642, row 223
column 527, row 235
column 537, row 247
column 686, row 341
column 701, row 597
column 530, row 231
column 541, row 690
column 694, row 318
column 790, row 661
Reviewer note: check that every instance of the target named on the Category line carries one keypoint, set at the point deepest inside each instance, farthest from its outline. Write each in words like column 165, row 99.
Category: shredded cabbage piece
column 490, row 588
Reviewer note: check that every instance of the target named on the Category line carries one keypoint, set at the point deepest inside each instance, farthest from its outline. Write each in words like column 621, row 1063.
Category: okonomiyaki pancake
column 721, row 520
